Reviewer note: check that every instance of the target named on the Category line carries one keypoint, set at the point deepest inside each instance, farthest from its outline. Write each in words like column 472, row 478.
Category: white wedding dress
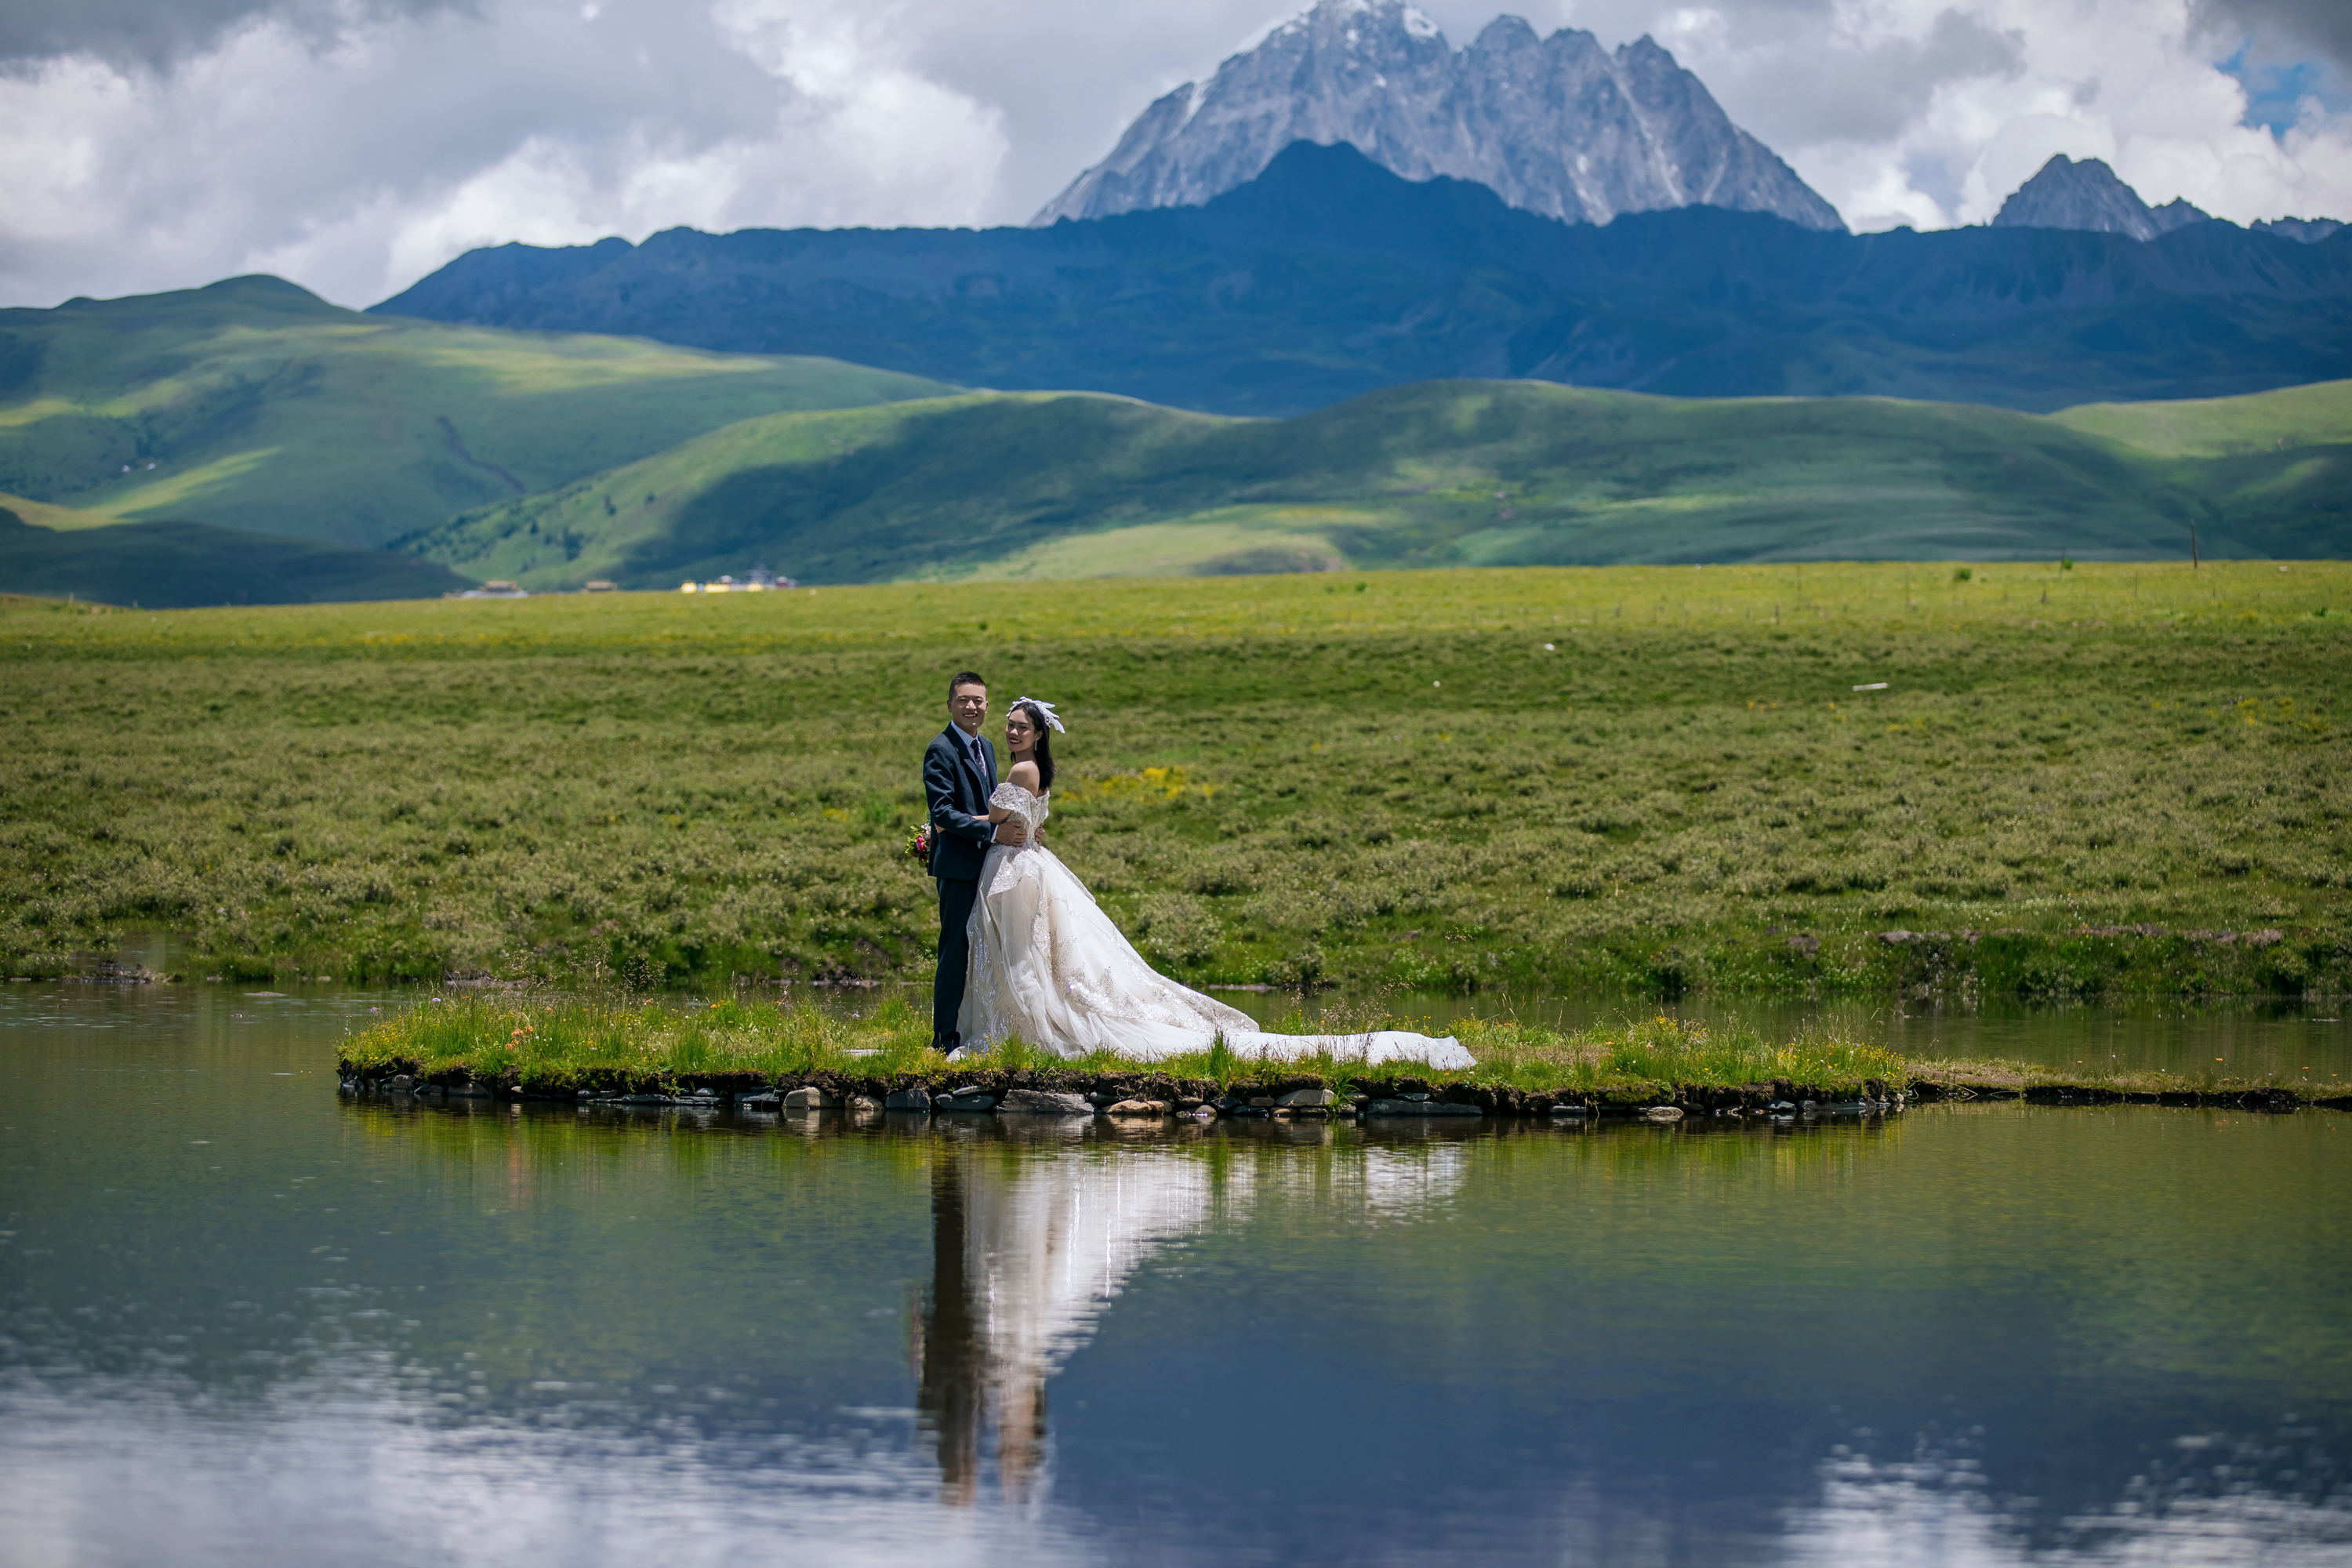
column 1049, row 967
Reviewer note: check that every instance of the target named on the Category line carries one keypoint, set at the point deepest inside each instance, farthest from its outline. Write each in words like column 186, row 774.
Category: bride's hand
column 1012, row 833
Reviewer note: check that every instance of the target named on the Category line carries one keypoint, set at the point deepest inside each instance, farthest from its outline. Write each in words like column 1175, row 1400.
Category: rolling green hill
column 2275, row 468
column 252, row 409
column 1439, row 473
column 171, row 565
column 254, row 406
column 2317, row 415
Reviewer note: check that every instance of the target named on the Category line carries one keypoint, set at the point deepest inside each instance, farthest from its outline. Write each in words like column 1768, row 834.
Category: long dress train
column 1049, row 966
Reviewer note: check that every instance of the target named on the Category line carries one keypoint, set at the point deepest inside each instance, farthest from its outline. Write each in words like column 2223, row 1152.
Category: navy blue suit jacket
column 959, row 795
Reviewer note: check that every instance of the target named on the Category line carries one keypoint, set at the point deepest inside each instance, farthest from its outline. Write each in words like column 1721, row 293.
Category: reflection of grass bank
column 562, row 1048
column 2109, row 780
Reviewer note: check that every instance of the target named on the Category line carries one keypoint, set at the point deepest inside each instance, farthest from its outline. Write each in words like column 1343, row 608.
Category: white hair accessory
column 1053, row 719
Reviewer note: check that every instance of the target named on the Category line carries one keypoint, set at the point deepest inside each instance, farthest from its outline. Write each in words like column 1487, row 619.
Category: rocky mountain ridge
column 1327, row 276
column 2090, row 198
column 1559, row 126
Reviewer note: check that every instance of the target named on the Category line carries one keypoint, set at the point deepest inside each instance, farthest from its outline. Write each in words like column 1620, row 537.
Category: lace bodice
column 1029, row 810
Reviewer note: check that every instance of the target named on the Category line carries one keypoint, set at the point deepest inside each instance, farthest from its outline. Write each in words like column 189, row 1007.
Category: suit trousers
column 957, row 895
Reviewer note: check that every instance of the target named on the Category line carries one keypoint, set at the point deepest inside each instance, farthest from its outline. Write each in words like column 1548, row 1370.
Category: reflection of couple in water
column 1032, row 1236
column 1009, row 1295
column 1025, row 951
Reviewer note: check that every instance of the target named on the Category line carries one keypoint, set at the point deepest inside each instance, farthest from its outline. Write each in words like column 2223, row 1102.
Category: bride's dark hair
column 1043, row 754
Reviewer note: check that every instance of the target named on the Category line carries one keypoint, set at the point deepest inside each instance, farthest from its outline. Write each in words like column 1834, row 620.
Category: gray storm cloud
column 158, row 33
column 2324, row 26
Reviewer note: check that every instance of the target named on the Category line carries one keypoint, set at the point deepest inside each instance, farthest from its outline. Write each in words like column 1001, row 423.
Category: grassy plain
column 1035, row 485
column 1652, row 779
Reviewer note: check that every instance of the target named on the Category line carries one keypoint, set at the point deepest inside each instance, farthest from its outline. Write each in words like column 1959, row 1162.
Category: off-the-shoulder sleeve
column 1026, row 807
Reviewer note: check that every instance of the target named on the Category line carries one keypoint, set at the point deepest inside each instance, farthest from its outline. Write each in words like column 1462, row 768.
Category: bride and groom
column 1025, row 951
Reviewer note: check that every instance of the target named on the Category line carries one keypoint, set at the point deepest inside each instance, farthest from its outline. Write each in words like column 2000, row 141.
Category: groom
column 959, row 775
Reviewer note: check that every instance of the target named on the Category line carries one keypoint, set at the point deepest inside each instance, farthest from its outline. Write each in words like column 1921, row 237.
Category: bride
column 1048, row 966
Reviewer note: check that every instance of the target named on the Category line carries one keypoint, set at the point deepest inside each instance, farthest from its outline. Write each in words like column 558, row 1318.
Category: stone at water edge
column 1418, row 1108
column 809, row 1097
column 1663, row 1113
column 906, row 1100
column 1044, row 1102
column 965, row 1102
column 1136, row 1108
column 1309, row 1097
column 862, row 1105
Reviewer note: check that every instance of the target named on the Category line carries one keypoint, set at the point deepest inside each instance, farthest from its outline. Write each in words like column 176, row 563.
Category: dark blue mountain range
column 1328, row 277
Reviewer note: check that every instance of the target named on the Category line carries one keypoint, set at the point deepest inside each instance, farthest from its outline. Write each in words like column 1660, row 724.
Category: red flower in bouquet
column 918, row 844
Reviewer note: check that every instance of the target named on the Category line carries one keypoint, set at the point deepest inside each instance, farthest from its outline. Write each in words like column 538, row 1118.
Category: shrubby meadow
column 2047, row 778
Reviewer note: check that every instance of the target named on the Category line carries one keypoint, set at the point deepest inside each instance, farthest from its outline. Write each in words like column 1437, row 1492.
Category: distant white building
column 758, row 580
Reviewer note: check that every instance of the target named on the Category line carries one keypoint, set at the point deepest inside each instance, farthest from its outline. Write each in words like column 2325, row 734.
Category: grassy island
column 2047, row 779
column 564, row 1048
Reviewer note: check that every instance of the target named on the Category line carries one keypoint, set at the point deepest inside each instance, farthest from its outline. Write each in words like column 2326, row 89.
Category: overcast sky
column 354, row 145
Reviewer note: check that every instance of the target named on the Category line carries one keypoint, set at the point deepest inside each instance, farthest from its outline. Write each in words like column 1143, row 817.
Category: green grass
column 561, row 1045
column 1436, row 474
column 556, row 1045
column 1379, row 780
column 252, row 405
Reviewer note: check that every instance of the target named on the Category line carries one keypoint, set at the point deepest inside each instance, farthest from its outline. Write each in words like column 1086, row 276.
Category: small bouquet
column 918, row 844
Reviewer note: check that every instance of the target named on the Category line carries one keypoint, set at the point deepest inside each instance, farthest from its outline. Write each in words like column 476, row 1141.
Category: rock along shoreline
column 1149, row 1097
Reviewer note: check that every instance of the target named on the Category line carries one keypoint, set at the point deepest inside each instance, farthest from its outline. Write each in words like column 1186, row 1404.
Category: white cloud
column 1932, row 112
column 355, row 164
column 355, row 145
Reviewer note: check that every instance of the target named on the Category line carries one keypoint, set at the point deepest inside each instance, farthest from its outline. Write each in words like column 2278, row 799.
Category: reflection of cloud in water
column 361, row 1476
column 395, row 1463
column 1031, row 1243
column 1937, row 1511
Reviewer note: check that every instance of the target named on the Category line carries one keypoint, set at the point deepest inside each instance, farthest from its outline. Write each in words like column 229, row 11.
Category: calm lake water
column 244, row 1320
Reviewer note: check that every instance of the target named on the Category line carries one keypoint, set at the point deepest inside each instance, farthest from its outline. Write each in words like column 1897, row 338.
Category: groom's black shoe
column 948, row 1045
